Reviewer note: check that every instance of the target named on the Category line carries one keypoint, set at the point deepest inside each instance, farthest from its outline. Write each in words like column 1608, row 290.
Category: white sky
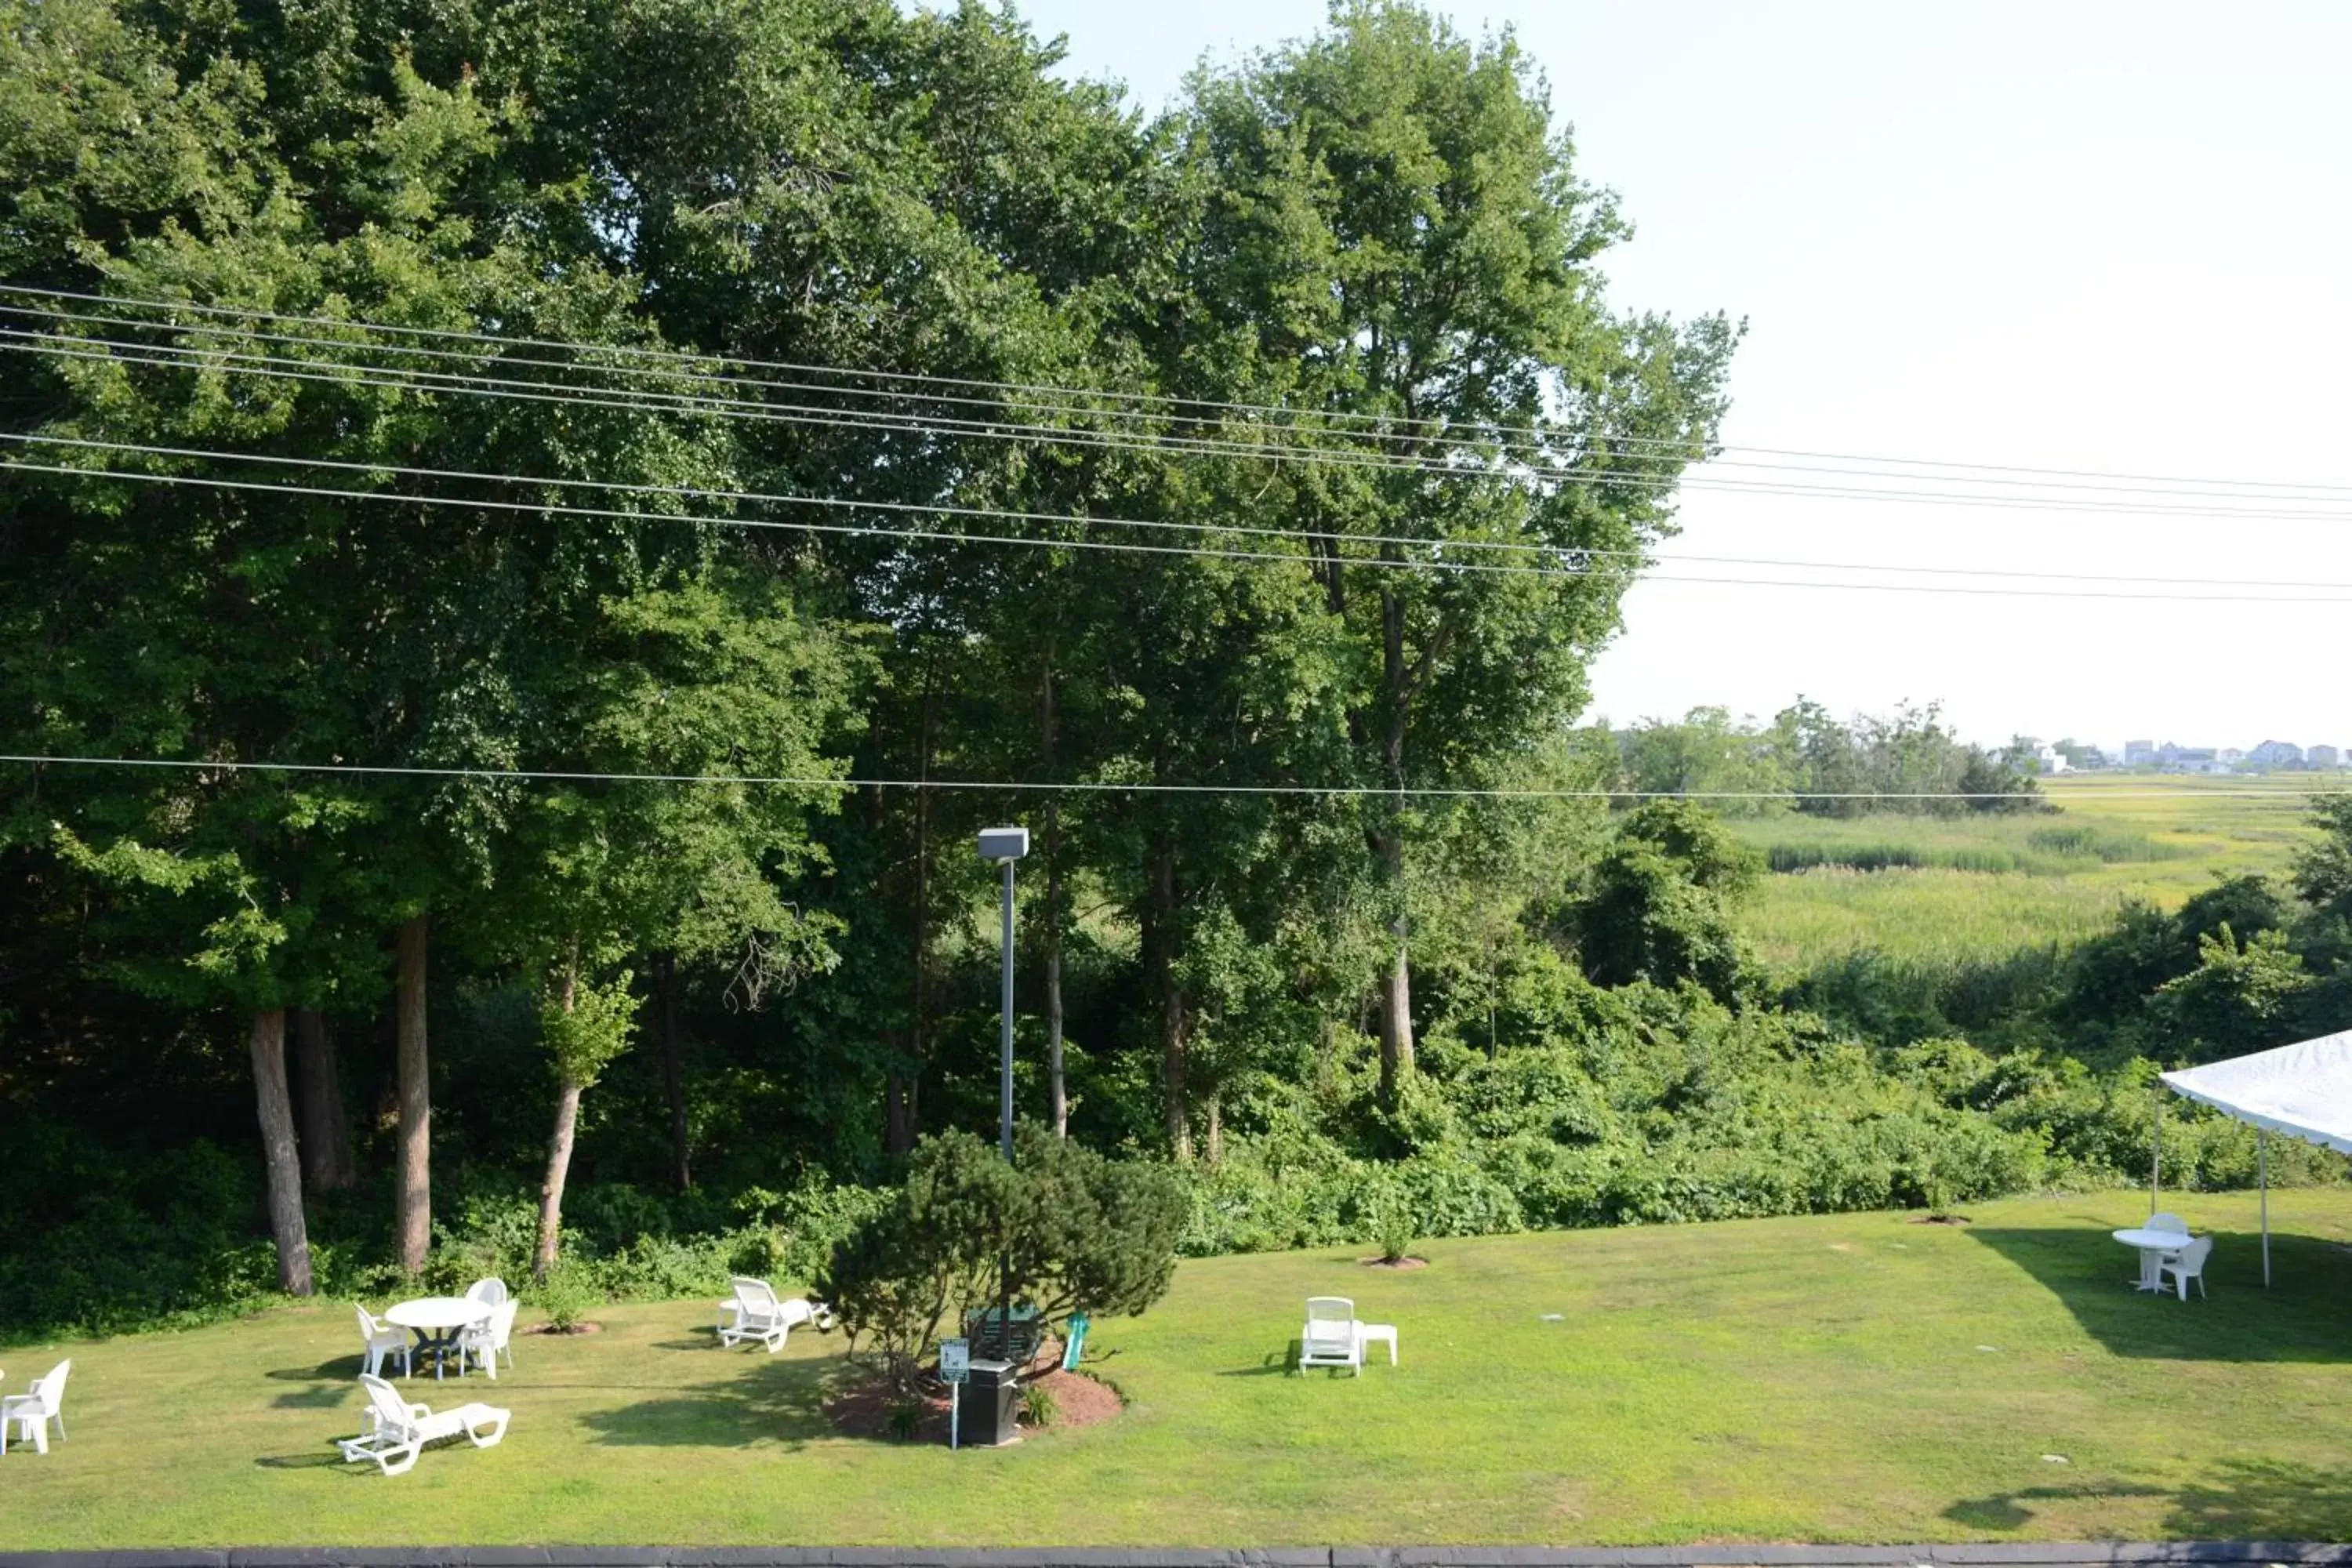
column 2100, row 237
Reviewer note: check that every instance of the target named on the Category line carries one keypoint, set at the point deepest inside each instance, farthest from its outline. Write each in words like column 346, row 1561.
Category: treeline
column 572, row 711
column 1807, row 760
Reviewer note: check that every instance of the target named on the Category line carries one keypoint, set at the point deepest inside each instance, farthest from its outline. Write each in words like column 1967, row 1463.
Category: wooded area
column 594, row 504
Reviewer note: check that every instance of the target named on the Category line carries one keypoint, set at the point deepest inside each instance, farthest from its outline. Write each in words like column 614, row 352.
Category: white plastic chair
column 398, row 1431
column 31, row 1413
column 2187, row 1264
column 489, row 1292
column 485, row 1341
column 2171, row 1222
column 753, row 1313
column 1329, row 1338
column 379, row 1340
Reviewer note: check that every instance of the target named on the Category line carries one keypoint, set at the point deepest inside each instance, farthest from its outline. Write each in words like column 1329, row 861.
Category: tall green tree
column 1398, row 237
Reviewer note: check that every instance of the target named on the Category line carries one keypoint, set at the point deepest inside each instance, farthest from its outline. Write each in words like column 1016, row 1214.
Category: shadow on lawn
column 781, row 1401
column 2301, row 1318
column 2245, row 1499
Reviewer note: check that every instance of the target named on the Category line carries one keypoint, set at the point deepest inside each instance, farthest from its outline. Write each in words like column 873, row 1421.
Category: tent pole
column 2263, row 1163
column 2156, row 1151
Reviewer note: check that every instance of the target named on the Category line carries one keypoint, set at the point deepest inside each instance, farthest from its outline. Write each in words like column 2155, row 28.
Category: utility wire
column 1687, row 450
column 577, row 397
column 552, row 509
column 274, row 368
column 824, row 781
column 697, row 492
column 1484, row 446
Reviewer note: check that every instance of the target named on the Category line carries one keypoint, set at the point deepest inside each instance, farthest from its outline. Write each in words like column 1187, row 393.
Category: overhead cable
column 949, row 536
column 768, row 498
column 1086, row 786
column 1682, row 449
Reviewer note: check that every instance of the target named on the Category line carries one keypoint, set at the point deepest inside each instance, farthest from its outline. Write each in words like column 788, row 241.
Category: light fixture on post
column 1004, row 845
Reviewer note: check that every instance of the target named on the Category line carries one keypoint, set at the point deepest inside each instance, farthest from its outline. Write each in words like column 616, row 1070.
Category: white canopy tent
column 2303, row 1090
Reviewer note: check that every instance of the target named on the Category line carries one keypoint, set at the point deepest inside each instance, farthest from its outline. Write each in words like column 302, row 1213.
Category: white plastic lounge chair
column 1329, row 1338
column 379, row 1340
column 398, row 1431
column 2187, row 1264
column 491, row 1292
column 31, row 1413
column 485, row 1341
column 753, row 1313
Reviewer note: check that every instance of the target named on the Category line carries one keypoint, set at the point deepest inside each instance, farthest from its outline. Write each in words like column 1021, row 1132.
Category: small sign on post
column 955, row 1368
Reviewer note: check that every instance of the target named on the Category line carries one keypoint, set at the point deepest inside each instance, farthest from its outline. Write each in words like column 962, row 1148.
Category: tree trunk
column 559, row 1155
column 1213, row 1119
column 326, row 1131
column 1056, row 1083
column 1056, row 1088
column 900, row 1088
column 1396, row 985
column 278, row 1158
column 898, row 1111
column 413, row 1218
column 673, row 1070
column 559, row 1167
column 1175, row 1019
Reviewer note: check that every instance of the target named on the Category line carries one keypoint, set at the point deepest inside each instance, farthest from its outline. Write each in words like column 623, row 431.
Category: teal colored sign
column 1077, row 1342
column 955, row 1359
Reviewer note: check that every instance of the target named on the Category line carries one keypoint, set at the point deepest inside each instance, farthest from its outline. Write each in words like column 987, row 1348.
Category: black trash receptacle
column 986, row 1404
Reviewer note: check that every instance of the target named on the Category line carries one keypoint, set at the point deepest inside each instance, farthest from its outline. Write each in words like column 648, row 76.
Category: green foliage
column 1061, row 1229
column 1038, row 1406
column 1656, row 905
column 587, row 1027
column 567, row 1295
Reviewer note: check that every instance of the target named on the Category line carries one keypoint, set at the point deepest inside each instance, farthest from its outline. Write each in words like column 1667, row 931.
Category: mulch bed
column 862, row 1409
column 1395, row 1262
column 1941, row 1219
column 552, row 1329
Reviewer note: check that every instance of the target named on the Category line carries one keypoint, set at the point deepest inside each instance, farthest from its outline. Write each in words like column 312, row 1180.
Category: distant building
column 2051, row 759
column 2276, row 755
column 2229, row 754
column 2139, row 753
column 2323, row 757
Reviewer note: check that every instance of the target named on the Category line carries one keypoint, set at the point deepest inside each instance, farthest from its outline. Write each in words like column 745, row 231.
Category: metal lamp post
column 1004, row 845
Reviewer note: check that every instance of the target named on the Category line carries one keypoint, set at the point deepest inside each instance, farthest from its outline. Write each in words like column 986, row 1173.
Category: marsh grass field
column 1950, row 891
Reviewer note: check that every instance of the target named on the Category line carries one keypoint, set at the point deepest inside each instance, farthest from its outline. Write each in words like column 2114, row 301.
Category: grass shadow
column 302, row 1462
column 1275, row 1363
column 2265, row 1499
column 342, row 1369
column 326, row 1396
column 2007, row 1511
column 780, row 1401
column 2300, row 1319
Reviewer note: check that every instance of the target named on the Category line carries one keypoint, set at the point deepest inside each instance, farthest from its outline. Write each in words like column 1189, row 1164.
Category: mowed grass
column 1984, row 887
column 1850, row 1378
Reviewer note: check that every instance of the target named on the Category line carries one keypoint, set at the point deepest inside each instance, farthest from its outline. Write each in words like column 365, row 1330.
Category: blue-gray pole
column 1005, row 1086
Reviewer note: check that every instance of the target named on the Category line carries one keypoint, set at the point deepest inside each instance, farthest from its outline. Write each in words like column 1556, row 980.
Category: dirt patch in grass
column 573, row 1329
column 1395, row 1262
column 1939, row 1219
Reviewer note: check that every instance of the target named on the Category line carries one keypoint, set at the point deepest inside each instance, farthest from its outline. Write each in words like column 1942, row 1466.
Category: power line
column 1089, row 786
column 1687, row 450
column 942, row 535
column 1090, row 520
column 276, row 368
column 1483, row 445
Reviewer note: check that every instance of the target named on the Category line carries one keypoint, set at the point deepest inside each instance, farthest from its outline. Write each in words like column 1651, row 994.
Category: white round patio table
column 2153, row 1245
column 436, row 1322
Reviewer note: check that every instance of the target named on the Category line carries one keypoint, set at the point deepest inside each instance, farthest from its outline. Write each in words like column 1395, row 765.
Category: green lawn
column 1950, row 910
column 1844, row 1378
